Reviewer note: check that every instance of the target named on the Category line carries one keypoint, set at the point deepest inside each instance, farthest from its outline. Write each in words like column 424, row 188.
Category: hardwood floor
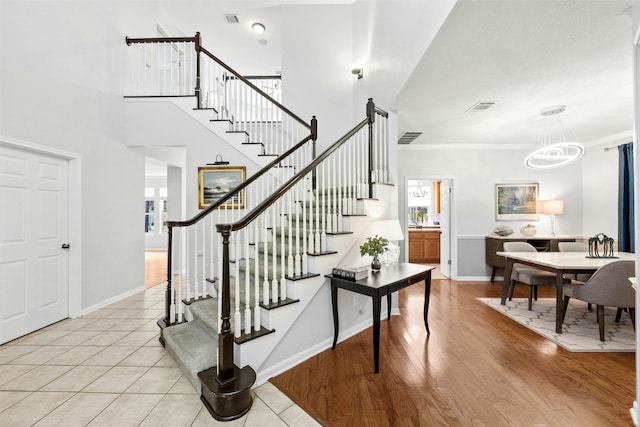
column 155, row 268
column 478, row 368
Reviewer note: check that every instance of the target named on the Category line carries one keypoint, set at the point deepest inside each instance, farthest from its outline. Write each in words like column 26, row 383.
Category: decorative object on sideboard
column 601, row 246
column 552, row 208
column 503, row 230
column 528, row 230
column 374, row 246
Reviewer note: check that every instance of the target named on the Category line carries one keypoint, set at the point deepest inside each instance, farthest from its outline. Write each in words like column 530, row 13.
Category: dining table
column 559, row 263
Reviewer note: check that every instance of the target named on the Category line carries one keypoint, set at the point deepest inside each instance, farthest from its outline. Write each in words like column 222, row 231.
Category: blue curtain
column 626, row 240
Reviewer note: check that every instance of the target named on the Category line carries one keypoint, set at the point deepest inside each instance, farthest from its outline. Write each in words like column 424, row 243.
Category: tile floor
column 107, row 368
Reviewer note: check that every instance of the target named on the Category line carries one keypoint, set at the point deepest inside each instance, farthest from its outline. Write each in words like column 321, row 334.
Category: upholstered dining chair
column 609, row 286
column 525, row 274
column 575, row 247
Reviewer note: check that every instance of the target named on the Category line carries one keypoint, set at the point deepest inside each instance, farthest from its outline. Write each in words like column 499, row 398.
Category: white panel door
column 445, row 228
column 34, row 268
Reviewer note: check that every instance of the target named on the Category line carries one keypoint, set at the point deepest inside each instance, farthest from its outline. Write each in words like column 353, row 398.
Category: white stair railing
column 181, row 66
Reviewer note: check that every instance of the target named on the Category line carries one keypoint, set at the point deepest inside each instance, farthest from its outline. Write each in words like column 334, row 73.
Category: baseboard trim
column 275, row 370
column 111, row 300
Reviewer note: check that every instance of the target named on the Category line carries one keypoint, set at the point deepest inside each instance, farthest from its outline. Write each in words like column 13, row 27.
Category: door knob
column 65, row 246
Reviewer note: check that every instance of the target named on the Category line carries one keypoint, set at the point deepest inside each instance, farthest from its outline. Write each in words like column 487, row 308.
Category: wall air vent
column 231, row 19
column 408, row 137
column 479, row 107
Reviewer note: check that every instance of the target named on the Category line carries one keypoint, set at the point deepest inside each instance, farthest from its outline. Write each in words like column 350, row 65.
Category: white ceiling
column 526, row 55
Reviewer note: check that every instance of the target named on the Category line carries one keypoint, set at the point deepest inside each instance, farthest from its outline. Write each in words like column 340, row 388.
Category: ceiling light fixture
column 554, row 148
column 257, row 28
column 358, row 72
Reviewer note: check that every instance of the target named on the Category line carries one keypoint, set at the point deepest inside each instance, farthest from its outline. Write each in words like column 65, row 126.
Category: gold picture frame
column 216, row 181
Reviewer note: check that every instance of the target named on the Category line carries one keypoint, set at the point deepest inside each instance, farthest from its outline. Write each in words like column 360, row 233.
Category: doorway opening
column 427, row 224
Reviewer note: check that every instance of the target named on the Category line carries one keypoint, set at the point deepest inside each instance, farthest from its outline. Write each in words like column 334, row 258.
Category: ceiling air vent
column 479, row 107
column 231, row 19
column 408, row 137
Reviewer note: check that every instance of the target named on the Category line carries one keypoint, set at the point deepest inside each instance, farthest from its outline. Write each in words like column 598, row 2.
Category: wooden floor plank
column 478, row 368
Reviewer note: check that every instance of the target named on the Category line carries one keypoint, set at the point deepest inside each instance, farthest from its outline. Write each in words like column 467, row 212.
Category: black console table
column 389, row 280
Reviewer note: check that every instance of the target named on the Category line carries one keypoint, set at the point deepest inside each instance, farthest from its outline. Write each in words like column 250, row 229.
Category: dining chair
column 575, row 247
column 609, row 286
column 528, row 275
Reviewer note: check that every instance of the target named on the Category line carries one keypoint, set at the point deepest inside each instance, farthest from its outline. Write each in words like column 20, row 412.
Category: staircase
column 240, row 275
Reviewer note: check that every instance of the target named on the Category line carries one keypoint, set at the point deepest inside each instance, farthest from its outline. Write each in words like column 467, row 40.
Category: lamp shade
column 389, row 229
column 551, row 207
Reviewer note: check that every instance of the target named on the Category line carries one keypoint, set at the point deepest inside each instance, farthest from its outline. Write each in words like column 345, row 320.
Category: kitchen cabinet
column 424, row 245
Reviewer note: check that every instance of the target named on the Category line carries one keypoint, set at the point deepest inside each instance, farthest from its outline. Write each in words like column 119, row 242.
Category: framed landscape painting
column 516, row 202
column 216, row 181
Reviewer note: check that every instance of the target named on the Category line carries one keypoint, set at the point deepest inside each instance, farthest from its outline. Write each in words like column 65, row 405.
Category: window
column 149, row 209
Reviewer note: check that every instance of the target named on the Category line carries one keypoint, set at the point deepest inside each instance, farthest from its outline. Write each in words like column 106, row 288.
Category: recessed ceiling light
column 257, row 28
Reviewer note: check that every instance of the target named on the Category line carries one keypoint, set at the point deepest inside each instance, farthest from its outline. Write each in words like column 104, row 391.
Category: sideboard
column 493, row 244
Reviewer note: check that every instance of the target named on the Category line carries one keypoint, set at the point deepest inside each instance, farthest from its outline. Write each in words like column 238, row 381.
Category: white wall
column 396, row 35
column 600, row 188
column 316, row 69
column 475, row 172
column 61, row 81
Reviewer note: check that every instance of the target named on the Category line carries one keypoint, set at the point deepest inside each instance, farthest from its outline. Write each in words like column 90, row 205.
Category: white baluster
column 316, row 239
column 334, row 207
column 196, row 281
column 256, row 297
column 295, row 192
column 290, row 266
column 237, row 318
column 283, row 281
column 303, row 202
column 247, row 283
column 340, row 173
column 274, row 253
column 323, row 234
column 265, row 272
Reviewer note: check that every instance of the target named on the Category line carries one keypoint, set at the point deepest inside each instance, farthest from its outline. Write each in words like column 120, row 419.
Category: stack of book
column 351, row 273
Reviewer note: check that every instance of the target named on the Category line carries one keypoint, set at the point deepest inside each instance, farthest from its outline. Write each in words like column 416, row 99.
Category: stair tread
column 192, row 347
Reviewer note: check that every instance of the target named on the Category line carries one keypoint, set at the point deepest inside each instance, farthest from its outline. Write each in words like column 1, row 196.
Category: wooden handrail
column 254, row 87
column 252, row 178
column 199, row 49
column 131, row 40
column 289, row 184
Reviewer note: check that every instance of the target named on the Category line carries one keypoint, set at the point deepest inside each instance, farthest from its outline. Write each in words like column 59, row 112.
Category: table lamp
column 390, row 229
column 552, row 208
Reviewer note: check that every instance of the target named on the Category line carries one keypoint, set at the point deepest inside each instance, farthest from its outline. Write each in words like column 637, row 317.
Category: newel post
column 226, row 389
column 371, row 116
column 225, row 337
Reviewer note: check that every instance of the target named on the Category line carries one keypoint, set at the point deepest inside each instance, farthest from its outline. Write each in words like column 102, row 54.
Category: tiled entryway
column 108, row 369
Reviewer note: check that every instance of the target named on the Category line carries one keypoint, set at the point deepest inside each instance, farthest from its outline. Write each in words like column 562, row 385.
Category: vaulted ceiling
column 525, row 56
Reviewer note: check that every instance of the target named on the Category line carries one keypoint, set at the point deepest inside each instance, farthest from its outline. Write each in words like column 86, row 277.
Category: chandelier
column 554, row 148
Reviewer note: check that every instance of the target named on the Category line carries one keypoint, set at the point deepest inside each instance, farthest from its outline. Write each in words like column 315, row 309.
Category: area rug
column 580, row 328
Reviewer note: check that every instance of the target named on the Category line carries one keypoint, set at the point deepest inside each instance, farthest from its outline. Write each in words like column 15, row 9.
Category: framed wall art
column 216, row 181
column 516, row 202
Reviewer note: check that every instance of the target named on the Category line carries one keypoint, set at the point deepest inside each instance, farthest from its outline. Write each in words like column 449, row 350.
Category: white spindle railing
column 267, row 237
column 180, row 66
